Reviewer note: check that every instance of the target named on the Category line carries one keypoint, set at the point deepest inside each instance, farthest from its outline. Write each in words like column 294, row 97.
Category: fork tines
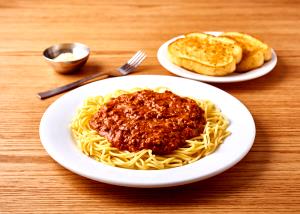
column 137, row 58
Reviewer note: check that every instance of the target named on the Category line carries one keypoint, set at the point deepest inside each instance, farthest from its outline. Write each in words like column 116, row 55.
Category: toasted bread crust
column 237, row 50
column 205, row 54
column 253, row 60
column 255, row 52
column 201, row 68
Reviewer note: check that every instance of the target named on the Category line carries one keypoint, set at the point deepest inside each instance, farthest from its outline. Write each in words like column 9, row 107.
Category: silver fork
column 123, row 70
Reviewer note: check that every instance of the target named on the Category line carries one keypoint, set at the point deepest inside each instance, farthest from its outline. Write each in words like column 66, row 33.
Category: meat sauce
column 149, row 120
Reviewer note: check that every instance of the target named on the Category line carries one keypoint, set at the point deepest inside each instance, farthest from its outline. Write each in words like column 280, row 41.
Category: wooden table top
column 265, row 181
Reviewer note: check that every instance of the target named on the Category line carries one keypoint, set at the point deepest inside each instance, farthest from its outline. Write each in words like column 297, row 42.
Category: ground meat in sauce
column 149, row 120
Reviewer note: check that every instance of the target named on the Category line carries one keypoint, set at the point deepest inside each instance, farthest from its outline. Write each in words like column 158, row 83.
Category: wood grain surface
column 265, row 181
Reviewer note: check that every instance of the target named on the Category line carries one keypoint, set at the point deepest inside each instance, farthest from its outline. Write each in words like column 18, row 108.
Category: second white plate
column 163, row 59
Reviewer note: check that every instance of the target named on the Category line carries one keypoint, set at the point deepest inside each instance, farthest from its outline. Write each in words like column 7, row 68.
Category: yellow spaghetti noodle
column 100, row 149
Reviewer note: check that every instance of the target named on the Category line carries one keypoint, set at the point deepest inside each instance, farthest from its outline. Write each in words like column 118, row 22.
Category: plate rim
column 239, row 77
column 140, row 184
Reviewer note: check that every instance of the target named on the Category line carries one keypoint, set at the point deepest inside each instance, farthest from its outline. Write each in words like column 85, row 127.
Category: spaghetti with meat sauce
column 148, row 129
column 146, row 119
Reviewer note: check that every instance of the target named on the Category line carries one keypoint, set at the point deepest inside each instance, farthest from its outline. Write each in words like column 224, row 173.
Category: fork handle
column 61, row 89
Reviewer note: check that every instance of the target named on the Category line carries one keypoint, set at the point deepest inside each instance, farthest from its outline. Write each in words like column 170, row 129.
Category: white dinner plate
column 57, row 139
column 163, row 59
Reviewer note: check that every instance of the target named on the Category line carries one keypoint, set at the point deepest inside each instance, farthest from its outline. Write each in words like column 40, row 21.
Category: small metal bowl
column 80, row 51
